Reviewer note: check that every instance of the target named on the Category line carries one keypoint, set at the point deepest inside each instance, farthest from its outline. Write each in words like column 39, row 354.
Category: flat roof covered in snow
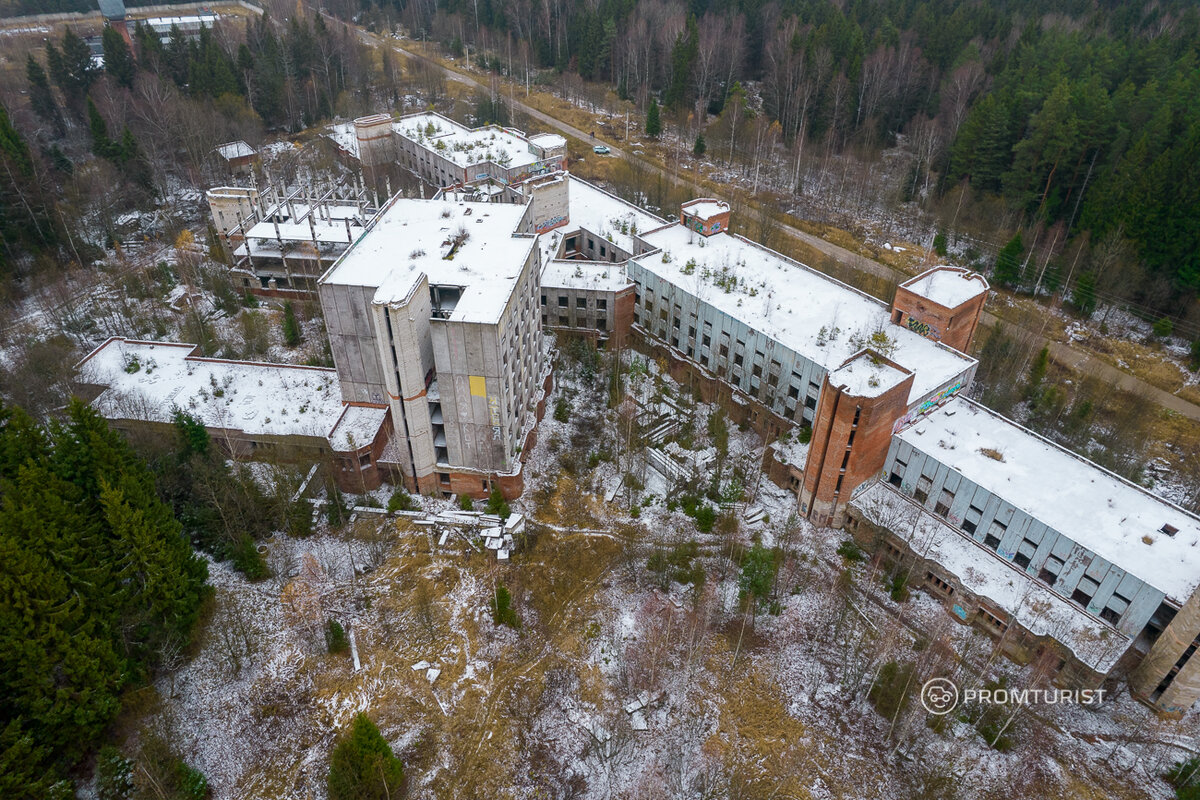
column 548, row 140
column 1095, row 508
column 813, row 314
column 465, row 146
column 411, row 237
column 705, row 207
column 864, row 376
column 607, row 215
column 344, row 135
column 947, row 286
column 584, row 275
column 147, row 381
column 232, row 150
column 1033, row 605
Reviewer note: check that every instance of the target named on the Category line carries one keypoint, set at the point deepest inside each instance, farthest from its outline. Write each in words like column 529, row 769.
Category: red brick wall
column 820, row 496
column 347, row 473
column 954, row 327
column 623, row 305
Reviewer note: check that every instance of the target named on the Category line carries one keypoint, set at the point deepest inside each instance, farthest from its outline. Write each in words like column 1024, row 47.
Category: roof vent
column 1169, row 530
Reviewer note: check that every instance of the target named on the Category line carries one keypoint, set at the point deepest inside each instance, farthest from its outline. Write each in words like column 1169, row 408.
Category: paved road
column 1063, row 354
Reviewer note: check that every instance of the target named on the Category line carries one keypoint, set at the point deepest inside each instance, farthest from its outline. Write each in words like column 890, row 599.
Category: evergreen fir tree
column 699, row 148
column 95, row 575
column 41, row 98
column 72, row 68
column 118, row 58
column 291, row 326
column 653, row 122
column 102, row 145
column 1008, row 262
column 1083, row 296
column 362, row 765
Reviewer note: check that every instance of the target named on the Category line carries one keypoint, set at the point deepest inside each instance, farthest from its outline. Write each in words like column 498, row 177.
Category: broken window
column 944, row 502
column 1050, row 570
column 1025, row 552
column 971, row 520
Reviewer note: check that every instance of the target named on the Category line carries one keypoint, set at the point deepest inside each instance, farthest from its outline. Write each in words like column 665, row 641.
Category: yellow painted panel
column 478, row 386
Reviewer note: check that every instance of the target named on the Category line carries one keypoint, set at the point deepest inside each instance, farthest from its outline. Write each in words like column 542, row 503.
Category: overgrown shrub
column 1164, row 327
column 466, row 503
column 247, row 560
column 706, row 515
column 362, row 765
column 291, row 326
column 502, row 611
column 562, row 409
column 757, row 580
column 1184, row 777
column 335, row 637
column 804, row 436
column 497, row 505
column 114, row 775
column 401, row 501
column 679, row 565
column 850, row 551
column 892, row 688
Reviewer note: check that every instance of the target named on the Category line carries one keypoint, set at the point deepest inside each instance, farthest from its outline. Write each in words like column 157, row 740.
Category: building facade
column 434, row 311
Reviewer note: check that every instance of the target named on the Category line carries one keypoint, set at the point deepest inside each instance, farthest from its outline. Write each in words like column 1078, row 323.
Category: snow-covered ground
column 619, row 683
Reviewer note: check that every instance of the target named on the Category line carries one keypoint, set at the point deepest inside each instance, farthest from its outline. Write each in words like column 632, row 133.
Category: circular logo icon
column 939, row 696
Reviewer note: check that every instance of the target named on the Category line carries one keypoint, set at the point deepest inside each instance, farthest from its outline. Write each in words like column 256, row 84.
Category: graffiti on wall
column 923, row 328
column 494, row 412
column 553, row 222
column 928, row 405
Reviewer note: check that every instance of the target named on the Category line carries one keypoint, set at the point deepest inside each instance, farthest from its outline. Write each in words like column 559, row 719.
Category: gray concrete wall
column 1171, row 646
column 353, row 342
column 975, row 506
column 796, row 389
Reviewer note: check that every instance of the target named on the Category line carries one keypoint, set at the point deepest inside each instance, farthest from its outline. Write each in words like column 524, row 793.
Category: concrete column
column 1184, row 690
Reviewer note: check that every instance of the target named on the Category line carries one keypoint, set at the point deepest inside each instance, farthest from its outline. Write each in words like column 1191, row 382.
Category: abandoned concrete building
column 252, row 410
column 436, row 309
column 279, row 244
column 445, row 153
column 433, row 311
column 1084, row 568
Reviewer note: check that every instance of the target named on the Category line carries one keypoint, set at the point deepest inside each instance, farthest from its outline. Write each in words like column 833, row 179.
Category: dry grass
column 1140, row 360
column 995, row 455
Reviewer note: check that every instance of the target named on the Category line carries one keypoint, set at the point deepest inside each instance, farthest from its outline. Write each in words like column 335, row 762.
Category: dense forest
column 1079, row 117
column 150, row 118
column 99, row 588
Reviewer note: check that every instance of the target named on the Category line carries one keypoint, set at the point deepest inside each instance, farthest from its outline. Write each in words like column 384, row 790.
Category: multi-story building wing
column 1016, row 531
column 434, row 311
column 446, row 153
column 788, row 339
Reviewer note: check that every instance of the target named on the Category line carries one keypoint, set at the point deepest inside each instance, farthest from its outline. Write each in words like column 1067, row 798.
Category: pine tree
column 41, row 98
column 700, row 146
column 26, row 209
column 118, row 58
column 1083, row 296
column 102, row 145
column 291, row 326
column 362, row 765
column 653, row 122
column 71, row 68
column 1008, row 262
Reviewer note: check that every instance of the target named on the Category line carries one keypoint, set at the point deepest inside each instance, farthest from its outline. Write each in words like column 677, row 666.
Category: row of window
column 1050, row 569
column 580, row 302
